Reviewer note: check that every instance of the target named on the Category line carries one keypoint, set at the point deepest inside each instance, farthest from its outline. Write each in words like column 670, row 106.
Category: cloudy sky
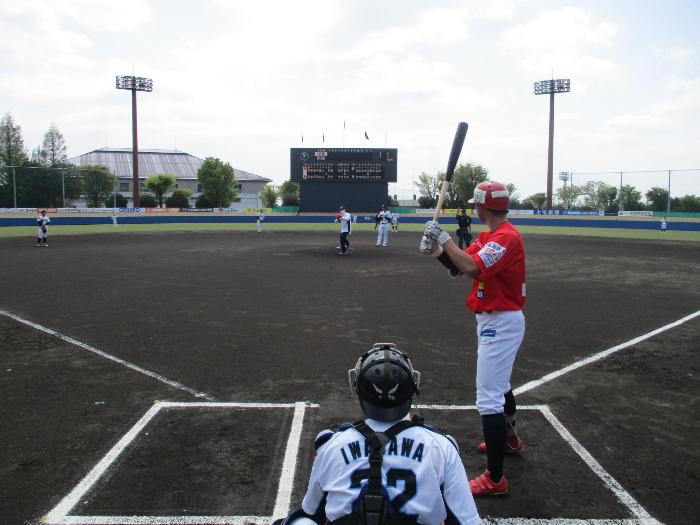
column 242, row 80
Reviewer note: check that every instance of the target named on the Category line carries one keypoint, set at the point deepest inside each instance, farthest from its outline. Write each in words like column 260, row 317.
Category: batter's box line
column 641, row 516
column 60, row 513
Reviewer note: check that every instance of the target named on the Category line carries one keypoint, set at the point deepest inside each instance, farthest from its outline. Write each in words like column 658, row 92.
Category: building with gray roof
column 181, row 165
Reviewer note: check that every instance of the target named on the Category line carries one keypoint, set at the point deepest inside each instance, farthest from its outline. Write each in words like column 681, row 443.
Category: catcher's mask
column 384, row 381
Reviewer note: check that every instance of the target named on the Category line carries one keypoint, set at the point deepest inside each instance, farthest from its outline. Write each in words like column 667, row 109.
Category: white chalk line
column 59, row 514
column 263, row 520
column 564, row 521
column 622, row 495
column 289, row 466
column 101, row 353
column 165, row 520
column 600, row 355
column 61, row 510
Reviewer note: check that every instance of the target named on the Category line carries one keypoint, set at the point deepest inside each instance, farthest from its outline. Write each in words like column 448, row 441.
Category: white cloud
column 569, row 27
column 564, row 39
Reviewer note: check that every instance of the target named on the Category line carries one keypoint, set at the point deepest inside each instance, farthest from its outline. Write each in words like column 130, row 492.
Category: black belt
column 483, row 311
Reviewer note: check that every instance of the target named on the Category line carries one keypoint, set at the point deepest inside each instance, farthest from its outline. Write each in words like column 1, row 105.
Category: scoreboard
column 343, row 165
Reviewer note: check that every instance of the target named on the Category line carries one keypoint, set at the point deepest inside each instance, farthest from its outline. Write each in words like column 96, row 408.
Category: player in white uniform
column 394, row 221
column 261, row 219
column 384, row 219
column 387, row 469
column 114, row 219
column 42, row 229
column 344, row 218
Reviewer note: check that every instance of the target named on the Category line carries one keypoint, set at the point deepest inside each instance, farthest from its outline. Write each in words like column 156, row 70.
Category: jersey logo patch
column 491, row 253
column 488, row 332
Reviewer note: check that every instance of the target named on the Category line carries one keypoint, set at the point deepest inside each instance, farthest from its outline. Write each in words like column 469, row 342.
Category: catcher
column 386, row 469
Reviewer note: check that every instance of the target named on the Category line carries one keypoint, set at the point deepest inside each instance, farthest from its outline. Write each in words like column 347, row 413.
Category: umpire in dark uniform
column 464, row 229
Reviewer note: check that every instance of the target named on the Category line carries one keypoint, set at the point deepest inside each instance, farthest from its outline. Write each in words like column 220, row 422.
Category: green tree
column 179, row 199
column 568, row 195
column 202, row 202
column 689, row 203
column 43, row 186
column 160, row 184
column 218, row 181
column 118, row 201
column 392, row 201
column 428, row 187
column 451, row 200
column 513, row 196
column 269, row 196
column 536, row 201
column 12, row 151
column 289, row 192
column 600, row 196
column 97, row 184
column 427, row 202
column 466, row 178
column 631, row 198
column 657, row 198
column 147, row 200
column 54, row 146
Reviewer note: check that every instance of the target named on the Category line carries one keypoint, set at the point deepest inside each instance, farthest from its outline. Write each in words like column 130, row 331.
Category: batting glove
column 433, row 230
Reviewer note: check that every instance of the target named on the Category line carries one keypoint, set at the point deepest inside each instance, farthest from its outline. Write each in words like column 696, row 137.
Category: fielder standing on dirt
column 344, row 218
column 384, row 219
column 496, row 261
column 42, row 229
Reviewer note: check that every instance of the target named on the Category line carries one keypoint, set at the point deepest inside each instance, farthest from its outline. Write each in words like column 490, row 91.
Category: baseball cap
column 492, row 194
column 342, row 208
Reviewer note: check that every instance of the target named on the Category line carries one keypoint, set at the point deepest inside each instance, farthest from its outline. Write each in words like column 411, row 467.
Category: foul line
column 641, row 516
column 115, row 359
column 622, row 495
column 601, row 355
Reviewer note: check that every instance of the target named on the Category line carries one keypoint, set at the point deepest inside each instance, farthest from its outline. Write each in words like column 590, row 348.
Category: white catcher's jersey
column 416, row 465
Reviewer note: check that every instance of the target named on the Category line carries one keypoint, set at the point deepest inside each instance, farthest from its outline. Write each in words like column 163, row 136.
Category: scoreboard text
column 343, row 165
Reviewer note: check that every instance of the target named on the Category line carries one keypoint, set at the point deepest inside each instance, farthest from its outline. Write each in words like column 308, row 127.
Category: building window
column 237, row 199
column 199, row 188
column 239, row 187
column 124, row 186
column 142, row 186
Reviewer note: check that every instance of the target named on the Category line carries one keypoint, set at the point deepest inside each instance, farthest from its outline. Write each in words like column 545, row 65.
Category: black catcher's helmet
column 384, row 381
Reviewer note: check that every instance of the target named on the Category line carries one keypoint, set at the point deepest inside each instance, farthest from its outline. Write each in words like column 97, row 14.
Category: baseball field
column 181, row 376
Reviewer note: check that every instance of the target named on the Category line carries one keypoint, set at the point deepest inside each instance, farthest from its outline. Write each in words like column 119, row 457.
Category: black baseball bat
column 457, row 144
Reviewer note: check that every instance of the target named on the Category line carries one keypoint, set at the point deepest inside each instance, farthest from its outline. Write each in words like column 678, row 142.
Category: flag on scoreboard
column 366, row 136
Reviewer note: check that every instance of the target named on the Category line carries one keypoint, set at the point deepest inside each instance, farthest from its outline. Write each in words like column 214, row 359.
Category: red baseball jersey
column 500, row 256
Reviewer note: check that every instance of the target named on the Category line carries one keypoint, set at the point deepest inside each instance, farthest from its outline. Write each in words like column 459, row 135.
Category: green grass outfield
column 622, row 233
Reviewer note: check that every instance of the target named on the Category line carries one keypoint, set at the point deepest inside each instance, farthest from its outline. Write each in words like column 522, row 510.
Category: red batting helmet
column 493, row 195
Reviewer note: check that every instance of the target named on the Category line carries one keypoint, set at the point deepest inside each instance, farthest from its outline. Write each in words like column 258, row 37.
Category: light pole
column 135, row 84
column 550, row 87
column 564, row 176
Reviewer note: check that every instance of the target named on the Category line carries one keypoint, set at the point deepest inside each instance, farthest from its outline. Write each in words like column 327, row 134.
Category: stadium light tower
column 135, row 84
column 550, row 87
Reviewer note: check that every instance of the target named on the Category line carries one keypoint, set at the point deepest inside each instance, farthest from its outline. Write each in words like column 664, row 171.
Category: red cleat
column 484, row 486
column 514, row 445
